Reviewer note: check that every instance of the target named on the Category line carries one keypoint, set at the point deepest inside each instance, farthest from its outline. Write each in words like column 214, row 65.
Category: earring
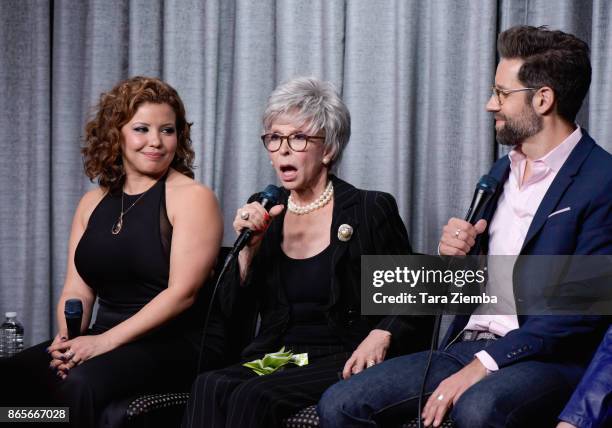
column 325, row 161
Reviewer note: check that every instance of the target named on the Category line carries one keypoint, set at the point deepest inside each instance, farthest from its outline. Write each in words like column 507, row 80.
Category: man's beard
column 517, row 130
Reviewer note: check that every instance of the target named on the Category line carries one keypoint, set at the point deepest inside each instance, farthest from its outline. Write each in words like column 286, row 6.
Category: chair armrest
column 308, row 418
column 146, row 403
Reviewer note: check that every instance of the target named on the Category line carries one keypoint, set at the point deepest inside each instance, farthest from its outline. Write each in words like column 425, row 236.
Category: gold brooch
column 345, row 232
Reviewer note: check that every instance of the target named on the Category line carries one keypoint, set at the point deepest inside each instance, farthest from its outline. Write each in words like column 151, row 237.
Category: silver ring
column 244, row 215
column 457, row 232
column 370, row 363
column 440, row 397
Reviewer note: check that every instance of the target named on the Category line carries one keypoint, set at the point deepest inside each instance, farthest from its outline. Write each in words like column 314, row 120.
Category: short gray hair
column 314, row 103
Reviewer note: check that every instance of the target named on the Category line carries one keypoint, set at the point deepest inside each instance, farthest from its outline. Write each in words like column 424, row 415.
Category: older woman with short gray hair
column 303, row 264
column 316, row 105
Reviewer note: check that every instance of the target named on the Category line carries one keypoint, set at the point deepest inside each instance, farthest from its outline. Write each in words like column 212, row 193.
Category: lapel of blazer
column 345, row 198
column 564, row 178
column 500, row 172
column 274, row 251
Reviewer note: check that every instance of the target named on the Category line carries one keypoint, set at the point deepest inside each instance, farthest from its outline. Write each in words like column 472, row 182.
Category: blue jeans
column 529, row 393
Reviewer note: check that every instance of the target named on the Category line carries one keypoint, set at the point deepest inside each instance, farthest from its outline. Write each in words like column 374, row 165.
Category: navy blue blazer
column 584, row 184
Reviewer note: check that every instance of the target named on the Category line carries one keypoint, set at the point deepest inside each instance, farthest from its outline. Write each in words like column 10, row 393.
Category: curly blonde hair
column 102, row 150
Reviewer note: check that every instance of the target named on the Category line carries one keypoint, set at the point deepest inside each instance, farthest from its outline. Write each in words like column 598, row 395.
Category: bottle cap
column 11, row 314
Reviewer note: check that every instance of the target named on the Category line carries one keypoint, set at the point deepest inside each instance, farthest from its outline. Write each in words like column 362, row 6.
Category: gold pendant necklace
column 118, row 225
column 116, row 229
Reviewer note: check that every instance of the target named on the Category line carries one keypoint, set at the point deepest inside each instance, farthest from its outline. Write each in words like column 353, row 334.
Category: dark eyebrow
column 148, row 124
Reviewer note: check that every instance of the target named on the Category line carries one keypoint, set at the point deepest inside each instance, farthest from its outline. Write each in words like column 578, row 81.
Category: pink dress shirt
column 516, row 208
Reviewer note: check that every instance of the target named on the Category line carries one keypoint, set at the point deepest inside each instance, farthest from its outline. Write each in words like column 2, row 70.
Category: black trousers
column 153, row 364
column 237, row 397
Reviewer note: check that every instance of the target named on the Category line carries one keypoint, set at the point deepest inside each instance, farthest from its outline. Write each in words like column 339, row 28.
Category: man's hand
column 449, row 391
column 459, row 236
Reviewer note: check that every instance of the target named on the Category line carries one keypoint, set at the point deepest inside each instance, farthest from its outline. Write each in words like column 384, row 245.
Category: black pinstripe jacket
column 377, row 229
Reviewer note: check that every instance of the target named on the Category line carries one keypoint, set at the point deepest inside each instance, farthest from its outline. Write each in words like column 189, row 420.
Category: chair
column 308, row 418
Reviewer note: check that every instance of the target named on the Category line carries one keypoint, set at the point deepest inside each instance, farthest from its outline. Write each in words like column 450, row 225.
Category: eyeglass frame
column 497, row 92
column 288, row 138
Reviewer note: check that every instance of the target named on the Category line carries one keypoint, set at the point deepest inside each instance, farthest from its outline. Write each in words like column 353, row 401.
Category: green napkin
column 276, row 361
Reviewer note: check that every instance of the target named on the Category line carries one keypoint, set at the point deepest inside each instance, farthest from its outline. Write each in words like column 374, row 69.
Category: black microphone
column 73, row 310
column 485, row 189
column 268, row 198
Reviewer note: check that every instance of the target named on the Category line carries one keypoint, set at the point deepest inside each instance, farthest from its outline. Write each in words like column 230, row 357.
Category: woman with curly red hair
column 142, row 243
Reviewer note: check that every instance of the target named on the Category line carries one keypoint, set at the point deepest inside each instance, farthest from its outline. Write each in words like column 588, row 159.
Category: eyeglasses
column 297, row 142
column 497, row 92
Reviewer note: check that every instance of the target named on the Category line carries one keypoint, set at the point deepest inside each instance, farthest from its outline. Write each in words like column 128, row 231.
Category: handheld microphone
column 485, row 189
column 73, row 310
column 268, row 198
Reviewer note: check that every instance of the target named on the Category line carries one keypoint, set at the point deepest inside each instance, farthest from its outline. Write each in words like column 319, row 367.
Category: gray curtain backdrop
column 415, row 75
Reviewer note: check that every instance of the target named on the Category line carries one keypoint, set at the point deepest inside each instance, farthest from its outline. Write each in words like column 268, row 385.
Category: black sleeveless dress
column 129, row 269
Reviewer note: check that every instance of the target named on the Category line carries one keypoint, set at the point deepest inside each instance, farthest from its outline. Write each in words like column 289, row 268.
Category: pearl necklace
column 321, row 201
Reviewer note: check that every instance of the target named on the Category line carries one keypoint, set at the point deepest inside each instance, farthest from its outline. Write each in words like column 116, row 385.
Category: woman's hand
column 57, row 356
column 372, row 350
column 78, row 350
column 255, row 217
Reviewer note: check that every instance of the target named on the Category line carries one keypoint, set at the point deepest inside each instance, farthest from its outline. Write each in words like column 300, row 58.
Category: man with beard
column 554, row 198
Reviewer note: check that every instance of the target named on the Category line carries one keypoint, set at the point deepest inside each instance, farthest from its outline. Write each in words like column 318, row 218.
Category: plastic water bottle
column 11, row 336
